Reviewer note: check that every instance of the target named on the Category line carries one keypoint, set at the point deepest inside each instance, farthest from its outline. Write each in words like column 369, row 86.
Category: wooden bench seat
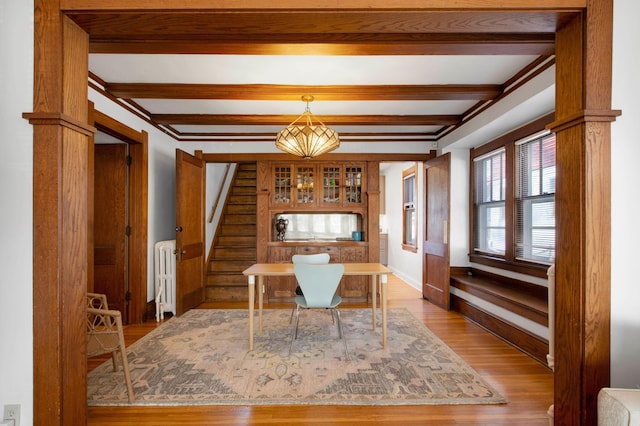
column 525, row 299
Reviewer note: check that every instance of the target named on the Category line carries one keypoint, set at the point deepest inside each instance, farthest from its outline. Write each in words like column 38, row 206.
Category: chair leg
column 125, row 362
column 342, row 335
column 297, row 321
column 114, row 360
column 292, row 310
column 127, row 375
column 294, row 335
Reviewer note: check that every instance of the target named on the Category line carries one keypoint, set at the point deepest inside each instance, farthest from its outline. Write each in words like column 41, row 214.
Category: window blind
column 535, row 199
column 490, row 194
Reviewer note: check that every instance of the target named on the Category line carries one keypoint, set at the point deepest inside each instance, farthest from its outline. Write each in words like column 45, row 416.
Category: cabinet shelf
column 336, row 185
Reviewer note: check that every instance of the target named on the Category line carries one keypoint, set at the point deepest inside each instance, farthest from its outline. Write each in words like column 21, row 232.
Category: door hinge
column 179, row 254
column 127, row 231
column 128, row 160
column 127, row 296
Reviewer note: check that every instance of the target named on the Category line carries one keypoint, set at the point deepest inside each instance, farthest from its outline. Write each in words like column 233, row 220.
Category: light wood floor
column 527, row 384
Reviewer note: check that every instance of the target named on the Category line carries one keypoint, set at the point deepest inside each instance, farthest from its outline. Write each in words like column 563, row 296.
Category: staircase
column 234, row 246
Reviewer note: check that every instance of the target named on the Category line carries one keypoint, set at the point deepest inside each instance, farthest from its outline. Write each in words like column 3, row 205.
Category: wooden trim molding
column 584, row 117
column 59, row 119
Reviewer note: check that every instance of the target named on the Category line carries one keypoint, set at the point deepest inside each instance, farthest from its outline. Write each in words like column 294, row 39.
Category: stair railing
column 215, row 204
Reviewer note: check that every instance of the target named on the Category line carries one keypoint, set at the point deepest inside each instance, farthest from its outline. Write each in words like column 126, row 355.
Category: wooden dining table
column 376, row 271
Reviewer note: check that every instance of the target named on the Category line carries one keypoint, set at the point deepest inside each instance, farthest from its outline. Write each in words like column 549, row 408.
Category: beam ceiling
column 122, row 27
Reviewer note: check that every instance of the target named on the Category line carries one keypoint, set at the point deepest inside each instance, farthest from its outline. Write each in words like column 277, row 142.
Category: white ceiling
column 525, row 81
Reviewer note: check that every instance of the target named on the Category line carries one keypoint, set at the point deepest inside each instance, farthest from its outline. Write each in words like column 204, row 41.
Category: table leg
column 383, row 302
column 374, row 279
column 260, row 299
column 252, row 298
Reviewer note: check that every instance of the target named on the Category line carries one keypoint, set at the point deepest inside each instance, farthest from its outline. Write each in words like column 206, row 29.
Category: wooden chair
column 104, row 335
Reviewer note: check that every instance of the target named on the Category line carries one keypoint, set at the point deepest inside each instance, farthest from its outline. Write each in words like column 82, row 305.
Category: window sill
column 407, row 247
column 533, row 269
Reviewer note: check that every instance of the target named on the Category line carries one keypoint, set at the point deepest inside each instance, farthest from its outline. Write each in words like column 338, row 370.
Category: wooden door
column 110, row 225
column 190, row 233
column 435, row 285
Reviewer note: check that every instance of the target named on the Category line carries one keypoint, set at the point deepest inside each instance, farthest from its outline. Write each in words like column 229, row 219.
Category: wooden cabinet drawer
column 334, row 252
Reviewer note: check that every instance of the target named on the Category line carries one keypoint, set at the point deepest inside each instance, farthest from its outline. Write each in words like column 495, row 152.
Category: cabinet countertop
column 318, row 242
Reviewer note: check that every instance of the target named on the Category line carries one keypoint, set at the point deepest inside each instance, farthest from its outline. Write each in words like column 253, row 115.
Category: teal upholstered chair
column 314, row 259
column 319, row 284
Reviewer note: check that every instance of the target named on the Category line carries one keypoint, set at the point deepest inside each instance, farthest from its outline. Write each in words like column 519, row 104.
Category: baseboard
column 407, row 279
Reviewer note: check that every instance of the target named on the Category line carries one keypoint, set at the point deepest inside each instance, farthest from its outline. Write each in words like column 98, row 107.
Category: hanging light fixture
column 306, row 139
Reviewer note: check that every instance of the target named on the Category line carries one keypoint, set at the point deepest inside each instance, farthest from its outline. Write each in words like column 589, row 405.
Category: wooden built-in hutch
column 318, row 186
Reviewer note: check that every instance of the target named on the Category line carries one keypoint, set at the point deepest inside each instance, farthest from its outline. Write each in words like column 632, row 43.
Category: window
column 535, row 199
column 490, row 202
column 513, row 210
column 409, row 224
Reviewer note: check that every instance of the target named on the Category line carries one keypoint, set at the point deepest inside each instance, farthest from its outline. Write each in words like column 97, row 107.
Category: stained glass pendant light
column 304, row 138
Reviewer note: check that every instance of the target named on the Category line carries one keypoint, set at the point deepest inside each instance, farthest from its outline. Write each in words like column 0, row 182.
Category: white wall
column 215, row 185
column 459, row 210
column 625, row 203
column 16, row 182
column 405, row 264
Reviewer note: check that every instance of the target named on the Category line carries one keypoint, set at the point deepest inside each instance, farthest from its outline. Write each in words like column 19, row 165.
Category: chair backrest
column 318, row 282
column 104, row 326
column 315, row 259
column 97, row 301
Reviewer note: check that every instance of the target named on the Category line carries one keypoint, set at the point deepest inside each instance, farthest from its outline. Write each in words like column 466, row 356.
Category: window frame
column 508, row 261
column 526, row 197
column 411, row 205
column 482, row 207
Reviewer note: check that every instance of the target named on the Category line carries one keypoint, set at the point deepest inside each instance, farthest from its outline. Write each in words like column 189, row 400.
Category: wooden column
column 60, row 218
column 373, row 210
column 264, row 221
column 583, row 219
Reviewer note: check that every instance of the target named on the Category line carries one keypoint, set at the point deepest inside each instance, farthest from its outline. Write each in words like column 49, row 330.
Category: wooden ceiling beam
column 281, row 92
column 252, row 157
column 207, row 22
column 257, row 135
column 287, row 5
column 541, row 48
column 283, row 120
column 247, row 43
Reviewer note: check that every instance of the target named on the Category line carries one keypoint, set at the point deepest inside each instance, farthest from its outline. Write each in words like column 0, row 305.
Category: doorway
column 117, row 255
column 111, row 222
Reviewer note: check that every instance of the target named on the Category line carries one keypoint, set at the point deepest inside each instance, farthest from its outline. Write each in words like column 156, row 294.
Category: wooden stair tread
column 234, row 247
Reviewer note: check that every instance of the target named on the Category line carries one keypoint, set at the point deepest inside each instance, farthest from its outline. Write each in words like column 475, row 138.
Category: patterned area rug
column 202, row 357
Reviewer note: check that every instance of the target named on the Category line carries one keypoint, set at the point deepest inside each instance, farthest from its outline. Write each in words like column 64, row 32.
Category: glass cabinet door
column 282, row 185
column 304, row 185
column 353, row 184
column 330, row 185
